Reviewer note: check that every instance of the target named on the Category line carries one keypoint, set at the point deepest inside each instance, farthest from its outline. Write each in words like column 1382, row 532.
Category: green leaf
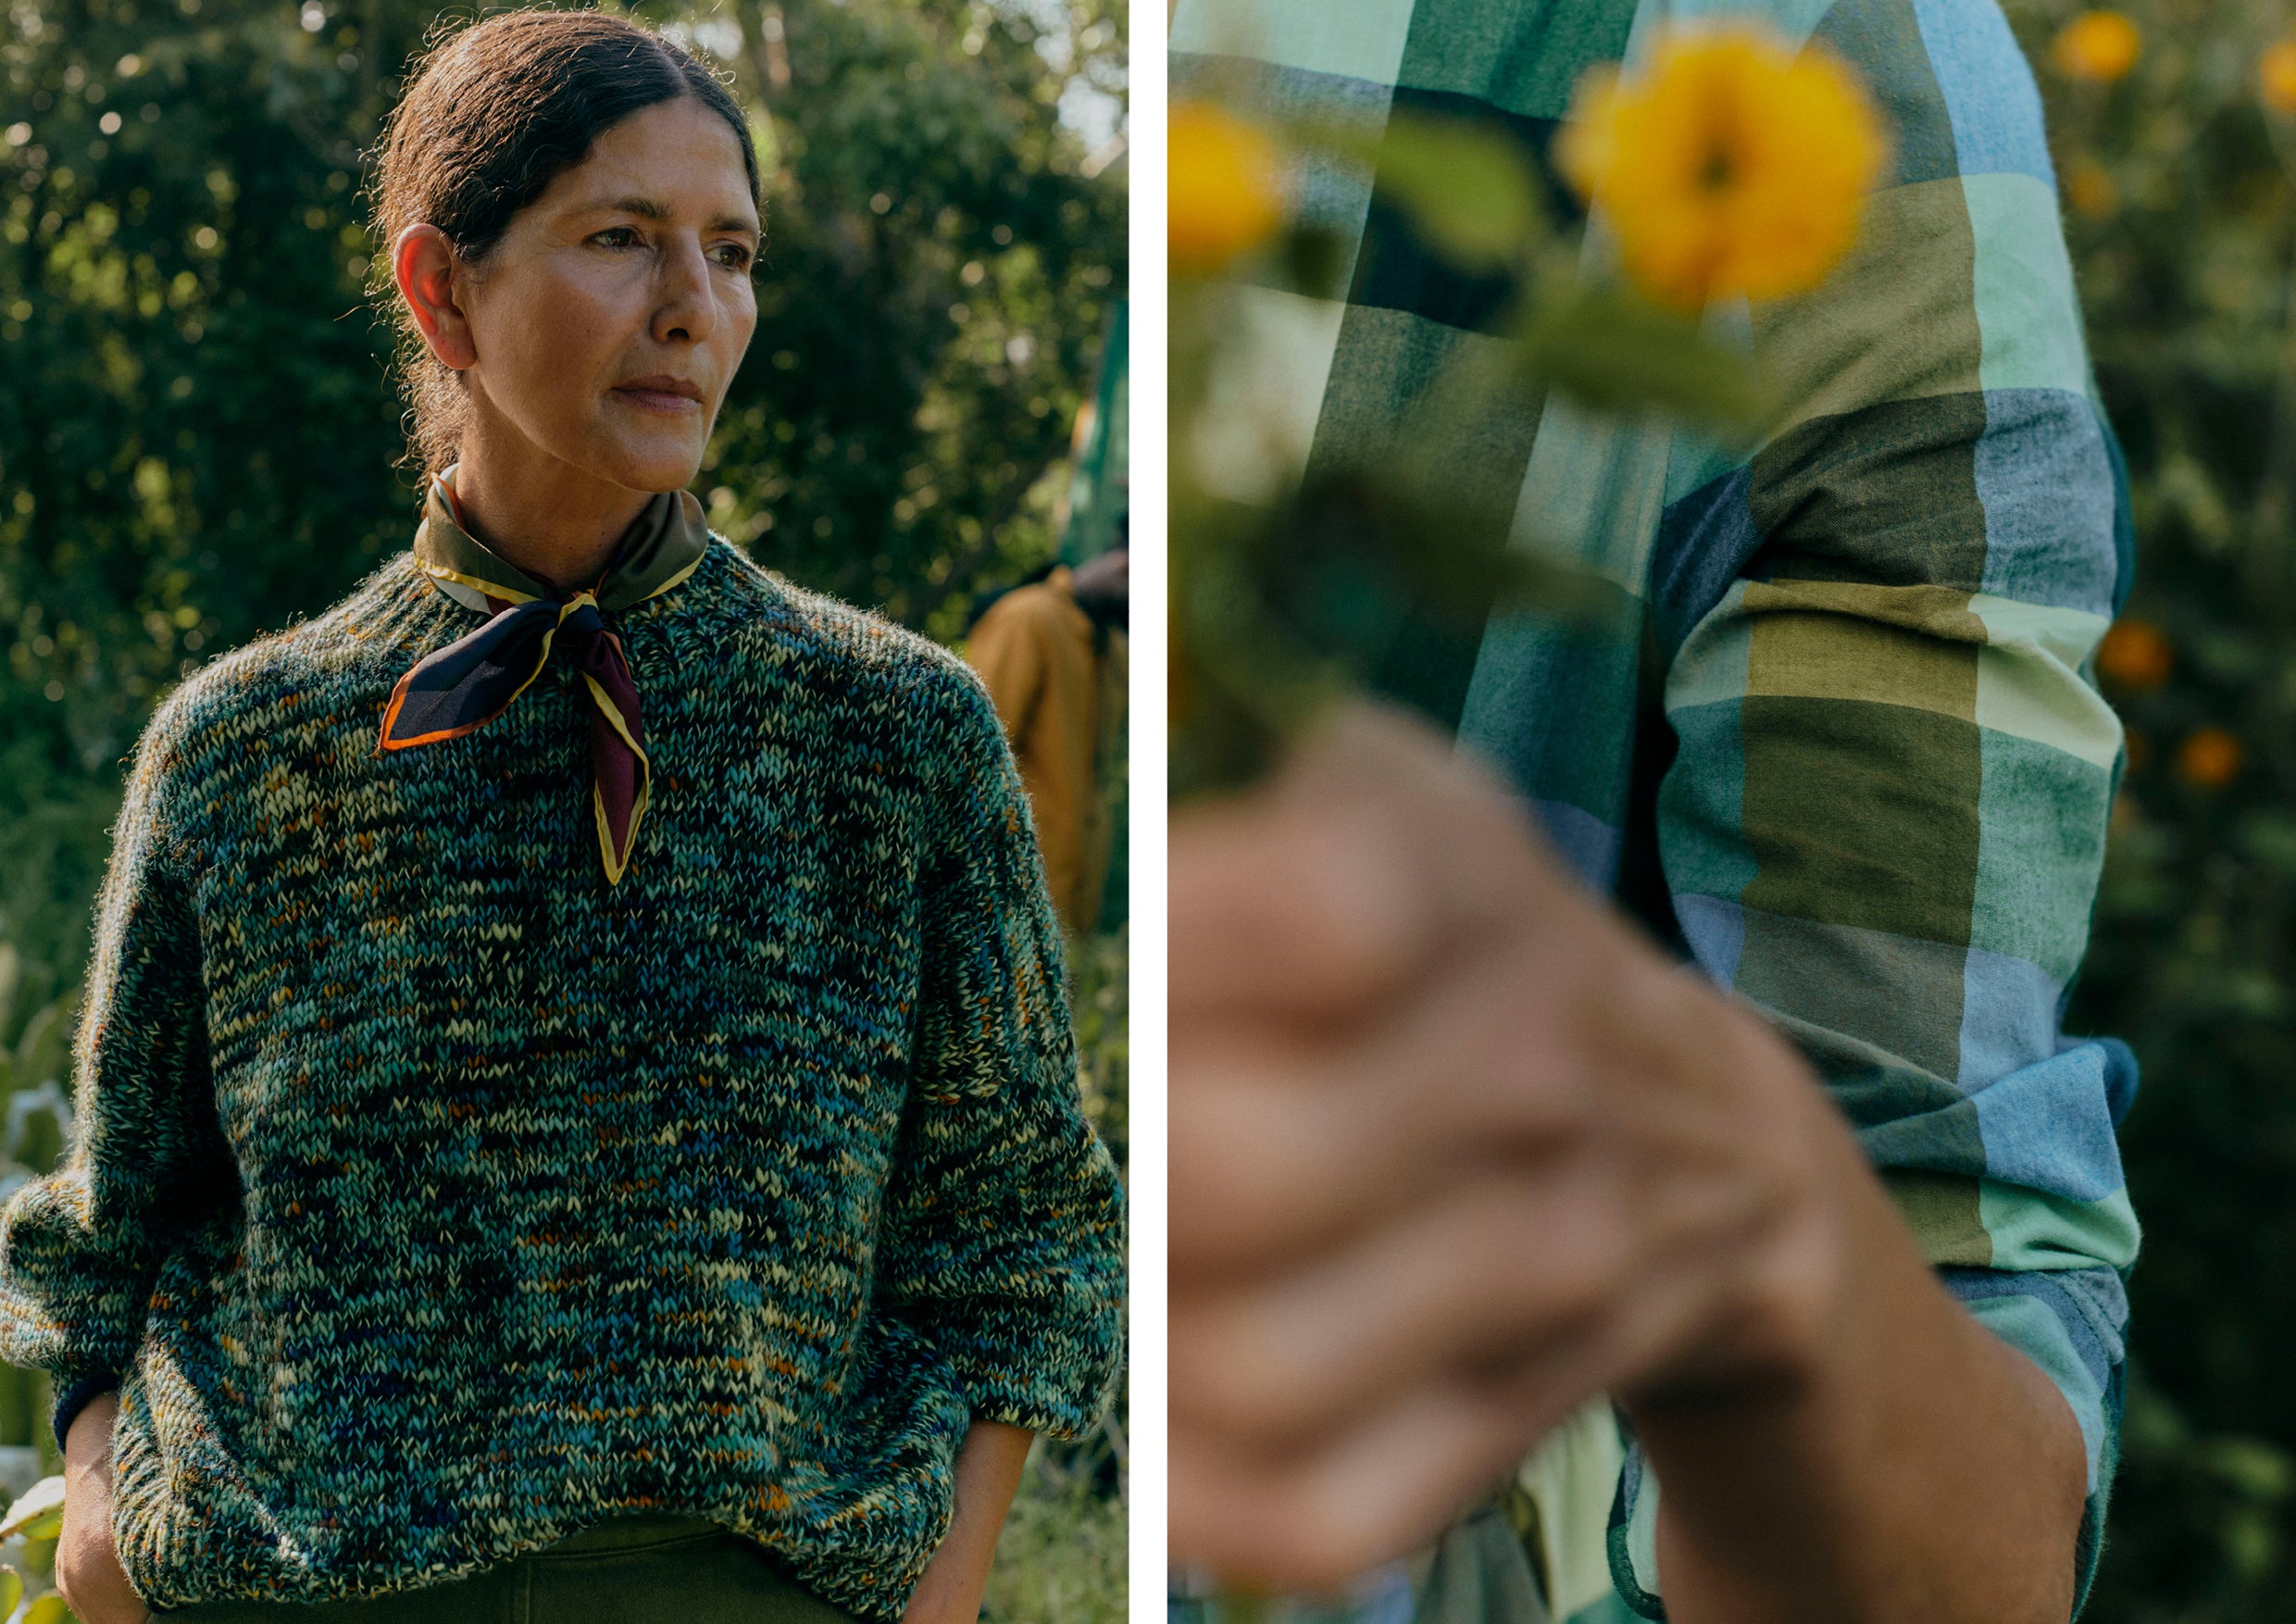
column 1617, row 351
column 1470, row 192
column 38, row 1513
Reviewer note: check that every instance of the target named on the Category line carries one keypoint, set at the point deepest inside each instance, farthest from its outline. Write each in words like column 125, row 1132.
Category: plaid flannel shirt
column 1870, row 784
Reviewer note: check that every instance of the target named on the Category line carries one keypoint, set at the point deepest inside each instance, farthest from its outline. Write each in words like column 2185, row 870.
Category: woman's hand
column 1454, row 1149
column 88, row 1574
column 988, row 1472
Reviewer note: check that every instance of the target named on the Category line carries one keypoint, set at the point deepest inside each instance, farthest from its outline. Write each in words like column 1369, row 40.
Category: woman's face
column 603, row 329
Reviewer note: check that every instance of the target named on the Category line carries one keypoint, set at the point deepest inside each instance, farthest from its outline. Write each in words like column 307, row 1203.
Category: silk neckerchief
column 464, row 685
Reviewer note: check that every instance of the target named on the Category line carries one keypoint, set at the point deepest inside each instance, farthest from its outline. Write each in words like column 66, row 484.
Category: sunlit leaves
column 948, row 203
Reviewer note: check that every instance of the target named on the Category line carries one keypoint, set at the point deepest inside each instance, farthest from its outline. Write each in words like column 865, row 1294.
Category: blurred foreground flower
column 1727, row 164
column 2275, row 76
column 1224, row 190
column 2134, row 654
column 2211, row 758
column 2099, row 46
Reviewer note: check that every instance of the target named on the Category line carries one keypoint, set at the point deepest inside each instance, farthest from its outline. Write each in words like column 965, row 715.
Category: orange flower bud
column 2135, row 655
column 2211, row 758
column 2090, row 188
column 2100, row 46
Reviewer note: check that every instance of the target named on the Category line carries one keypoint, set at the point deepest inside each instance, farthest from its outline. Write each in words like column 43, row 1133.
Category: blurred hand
column 1454, row 1149
column 88, row 1574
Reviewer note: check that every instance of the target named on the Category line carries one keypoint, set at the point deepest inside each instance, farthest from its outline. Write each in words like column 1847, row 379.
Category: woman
column 575, row 1044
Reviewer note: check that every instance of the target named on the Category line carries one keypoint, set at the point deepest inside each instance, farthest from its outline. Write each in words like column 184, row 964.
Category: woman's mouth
column 660, row 393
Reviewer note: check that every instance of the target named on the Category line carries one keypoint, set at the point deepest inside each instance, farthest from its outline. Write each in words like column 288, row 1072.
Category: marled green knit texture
column 433, row 1198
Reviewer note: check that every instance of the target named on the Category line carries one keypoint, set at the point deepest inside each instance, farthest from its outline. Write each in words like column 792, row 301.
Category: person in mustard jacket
column 1053, row 654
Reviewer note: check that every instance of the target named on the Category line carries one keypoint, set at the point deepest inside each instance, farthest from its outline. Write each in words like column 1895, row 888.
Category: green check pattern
column 1841, row 746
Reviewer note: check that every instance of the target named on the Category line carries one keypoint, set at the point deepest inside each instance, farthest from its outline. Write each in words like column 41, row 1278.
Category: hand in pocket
column 88, row 1574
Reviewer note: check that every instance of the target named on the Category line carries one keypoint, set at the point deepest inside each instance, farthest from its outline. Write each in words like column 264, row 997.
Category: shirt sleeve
column 1004, row 1239
column 1886, row 819
column 80, row 1248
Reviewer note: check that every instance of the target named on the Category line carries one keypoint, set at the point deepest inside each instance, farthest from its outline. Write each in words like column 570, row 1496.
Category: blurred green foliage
column 1062, row 1556
column 2181, row 216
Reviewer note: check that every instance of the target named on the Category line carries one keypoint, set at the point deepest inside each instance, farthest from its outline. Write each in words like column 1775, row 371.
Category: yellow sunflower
column 1728, row 163
column 1225, row 187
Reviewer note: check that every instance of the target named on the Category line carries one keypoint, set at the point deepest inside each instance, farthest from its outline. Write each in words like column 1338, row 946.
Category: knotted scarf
column 464, row 685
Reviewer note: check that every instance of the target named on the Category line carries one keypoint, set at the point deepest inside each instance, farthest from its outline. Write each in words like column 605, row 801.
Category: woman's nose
column 687, row 309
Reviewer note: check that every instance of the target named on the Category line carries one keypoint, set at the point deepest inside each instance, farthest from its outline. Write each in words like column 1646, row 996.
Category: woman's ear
column 423, row 262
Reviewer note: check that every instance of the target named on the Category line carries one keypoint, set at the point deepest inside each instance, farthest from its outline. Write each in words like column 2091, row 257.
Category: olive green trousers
column 630, row 1569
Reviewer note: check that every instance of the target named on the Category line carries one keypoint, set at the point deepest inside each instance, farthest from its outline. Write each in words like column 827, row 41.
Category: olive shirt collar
column 663, row 545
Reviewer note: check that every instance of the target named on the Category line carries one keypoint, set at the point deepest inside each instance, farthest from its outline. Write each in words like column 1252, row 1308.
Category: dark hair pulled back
column 495, row 113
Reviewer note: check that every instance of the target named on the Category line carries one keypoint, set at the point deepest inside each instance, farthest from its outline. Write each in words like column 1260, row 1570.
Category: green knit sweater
column 433, row 1198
